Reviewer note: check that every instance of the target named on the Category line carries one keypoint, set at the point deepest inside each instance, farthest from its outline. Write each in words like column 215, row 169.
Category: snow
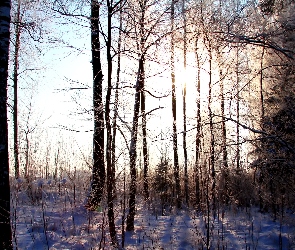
column 55, row 219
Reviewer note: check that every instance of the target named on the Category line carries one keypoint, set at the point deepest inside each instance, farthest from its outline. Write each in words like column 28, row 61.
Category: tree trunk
column 261, row 124
column 238, row 110
column 261, row 85
column 144, row 147
column 5, row 229
column 174, row 127
column 212, row 139
column 142, row 104
column 139, row 97
column 98, row 171
column 116, row 100
column 15, row 88
column 223, row 129
column 132, row 152
column 184, row 104
column 27, row 152
column 198, row 134
column 110, row 174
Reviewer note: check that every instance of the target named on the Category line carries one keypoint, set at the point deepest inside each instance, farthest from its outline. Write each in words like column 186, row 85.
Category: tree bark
column 261, row 85
column 174, row 127
column 144, row 147
column 142, row 104
column 261, row 124
column 5, row 229
column 116, row 98
column 212, row 139
column 223, row 130
column 238, row 110
column 184, row 103
column 110, row 174
column 98, row 171
column 15, row 88
column 139, row 99
column 132, row 152
column 224, row 170
column 198, row 134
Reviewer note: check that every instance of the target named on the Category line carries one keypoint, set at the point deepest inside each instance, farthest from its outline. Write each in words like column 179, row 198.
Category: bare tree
column 15, row 86
column 209, row 46
column 199, row 120
column 222, row 75
column 261, row 84
column 144, row 146
column 174, row 127
column 5, row 229
column 238, row 109
column 184, row 102
column 111, row 9
column 132, row 152
column 223, row 126
column 139, row 90
column 146, row 38
column 21, row 24
column 98, row 170
column 116, row 102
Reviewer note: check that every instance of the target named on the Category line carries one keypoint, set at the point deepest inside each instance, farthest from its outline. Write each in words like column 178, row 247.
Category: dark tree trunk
column 116, row 100
column 223, row 130
column 15, row 88
column 98, row 171
column 27, row 152
column 261, row 85
column 198, row 134
column 184, row 104
column 212, row 139
column 144, row 147
column 221, row 60
column 142, row 104
column 261, row 122
column 174, row 127
column 132, row 152
column 139, row 99
column 238, row 110
column 5, row 229
column 110, row 174
column 224, row 148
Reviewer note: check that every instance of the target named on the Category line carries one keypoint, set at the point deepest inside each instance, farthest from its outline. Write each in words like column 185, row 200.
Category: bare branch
column 235, row 38
column 257, row 131
column 73, row 130
column 147, row 113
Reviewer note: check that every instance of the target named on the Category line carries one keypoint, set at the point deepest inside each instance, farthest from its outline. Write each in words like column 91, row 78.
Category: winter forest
column 147, row 124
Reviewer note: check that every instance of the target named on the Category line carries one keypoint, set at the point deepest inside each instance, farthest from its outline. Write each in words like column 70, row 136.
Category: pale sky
column 55, row 106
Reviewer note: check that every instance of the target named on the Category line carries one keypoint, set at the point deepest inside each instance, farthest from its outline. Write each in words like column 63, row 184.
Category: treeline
column 234, row 146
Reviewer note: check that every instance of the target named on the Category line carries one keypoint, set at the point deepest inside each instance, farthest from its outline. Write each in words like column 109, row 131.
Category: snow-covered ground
column 50, row 216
